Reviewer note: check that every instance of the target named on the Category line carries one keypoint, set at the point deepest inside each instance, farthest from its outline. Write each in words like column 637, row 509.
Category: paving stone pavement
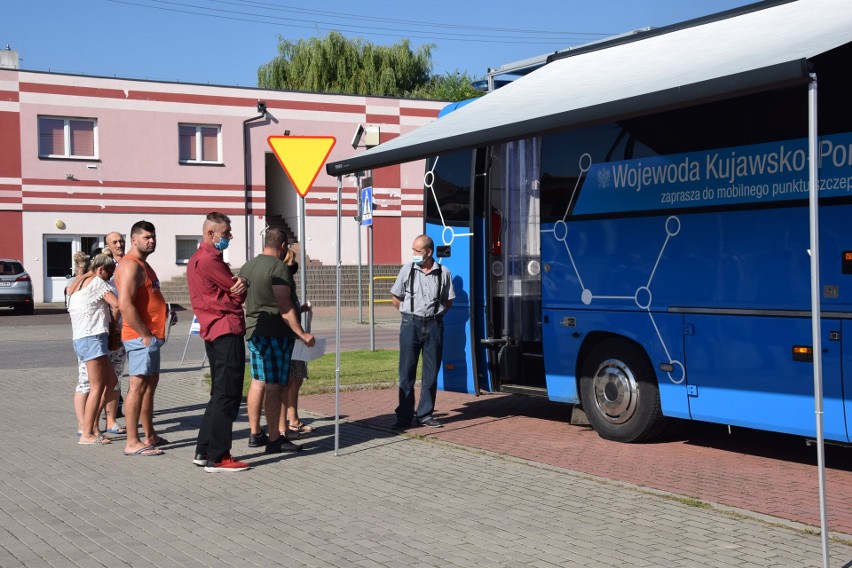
column 385, row 501
column 759, row 472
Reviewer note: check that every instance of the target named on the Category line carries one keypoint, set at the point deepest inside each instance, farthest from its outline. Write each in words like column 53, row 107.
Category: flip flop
column 301, row 428
column 145, row 452
column 117, row 430
column 98, row 441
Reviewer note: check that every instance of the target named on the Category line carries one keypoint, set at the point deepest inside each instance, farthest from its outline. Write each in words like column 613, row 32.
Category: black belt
column 427, row 318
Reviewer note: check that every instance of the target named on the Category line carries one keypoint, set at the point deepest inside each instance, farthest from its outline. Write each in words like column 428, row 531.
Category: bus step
column 811, row 442
column 524, row 389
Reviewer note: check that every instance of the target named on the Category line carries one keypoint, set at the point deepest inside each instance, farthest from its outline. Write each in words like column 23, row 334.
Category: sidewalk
column 386, row 501
column 757, row 472
column 507, row 482
column 761, row 472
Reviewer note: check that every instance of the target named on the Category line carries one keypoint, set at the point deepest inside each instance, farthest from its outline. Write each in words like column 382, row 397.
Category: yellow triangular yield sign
column 302, row 157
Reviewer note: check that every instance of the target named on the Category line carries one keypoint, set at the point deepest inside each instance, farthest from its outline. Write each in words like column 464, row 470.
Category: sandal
column 301, row 428
column 116, row 429
column 145, row 451
column 100, row 440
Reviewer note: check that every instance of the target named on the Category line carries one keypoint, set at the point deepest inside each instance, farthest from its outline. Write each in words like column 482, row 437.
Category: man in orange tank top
column 143, row 331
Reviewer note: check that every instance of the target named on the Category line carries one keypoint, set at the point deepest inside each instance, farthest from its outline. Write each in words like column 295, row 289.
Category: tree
column 335, row 64
column 457, row 86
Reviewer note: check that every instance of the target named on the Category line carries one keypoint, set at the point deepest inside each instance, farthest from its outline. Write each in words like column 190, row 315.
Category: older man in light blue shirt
column 423, row 292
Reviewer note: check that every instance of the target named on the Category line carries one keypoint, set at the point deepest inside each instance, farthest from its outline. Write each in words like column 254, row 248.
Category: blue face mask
column 222, row 244
column 418, row 259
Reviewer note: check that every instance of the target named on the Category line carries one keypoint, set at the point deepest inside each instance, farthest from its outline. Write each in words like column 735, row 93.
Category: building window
column 200, row 143
column 60, row 137
column 186, row 247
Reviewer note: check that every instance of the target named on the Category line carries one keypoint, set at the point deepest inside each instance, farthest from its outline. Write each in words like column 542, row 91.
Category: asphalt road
column 43, row 340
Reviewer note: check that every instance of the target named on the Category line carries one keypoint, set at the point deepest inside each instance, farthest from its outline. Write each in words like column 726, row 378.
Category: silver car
column 16, row 286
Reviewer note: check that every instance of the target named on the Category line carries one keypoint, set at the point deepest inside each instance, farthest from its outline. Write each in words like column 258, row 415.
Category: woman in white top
column 91, row 302
column 116, row 359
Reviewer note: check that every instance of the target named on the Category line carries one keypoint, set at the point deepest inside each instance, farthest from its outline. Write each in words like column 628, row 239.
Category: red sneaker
column 227, row 464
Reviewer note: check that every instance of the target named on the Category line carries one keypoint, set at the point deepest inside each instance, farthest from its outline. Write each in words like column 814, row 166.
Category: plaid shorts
column 270, row 359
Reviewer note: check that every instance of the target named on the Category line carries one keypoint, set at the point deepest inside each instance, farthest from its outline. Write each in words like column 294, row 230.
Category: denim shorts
column 143, row 360
column 270, row 359
column 92, row 347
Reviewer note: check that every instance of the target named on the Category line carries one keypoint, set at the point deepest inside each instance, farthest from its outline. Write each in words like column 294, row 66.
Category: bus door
column 449, row 222
column 512, row 257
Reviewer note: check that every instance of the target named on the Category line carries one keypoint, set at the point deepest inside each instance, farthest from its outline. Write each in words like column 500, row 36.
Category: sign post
column 365, row 219
column 302, row 158
column 366, row 213
column 367, row 206
column 358, row 185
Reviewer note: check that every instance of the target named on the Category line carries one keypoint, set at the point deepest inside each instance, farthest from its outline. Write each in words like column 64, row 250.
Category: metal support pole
column 303, row 286
column 358, row 235
column 372, row 294
column 372, row 298
column 813, row 170
column 337, row 329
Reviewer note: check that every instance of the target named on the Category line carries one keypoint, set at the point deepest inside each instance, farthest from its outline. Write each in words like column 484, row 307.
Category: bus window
column 449, row 179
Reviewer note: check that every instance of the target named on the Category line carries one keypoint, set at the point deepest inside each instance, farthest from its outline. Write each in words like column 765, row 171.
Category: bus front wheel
column 619, row 391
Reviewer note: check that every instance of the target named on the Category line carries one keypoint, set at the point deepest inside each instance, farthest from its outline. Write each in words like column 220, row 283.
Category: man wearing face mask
column 423, row 292
column 217, row 297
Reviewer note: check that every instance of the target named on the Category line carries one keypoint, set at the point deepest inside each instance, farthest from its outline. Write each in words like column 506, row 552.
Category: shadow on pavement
column 545, row 415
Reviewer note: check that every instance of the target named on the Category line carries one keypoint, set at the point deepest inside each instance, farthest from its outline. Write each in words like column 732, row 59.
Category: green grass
column 358, row 370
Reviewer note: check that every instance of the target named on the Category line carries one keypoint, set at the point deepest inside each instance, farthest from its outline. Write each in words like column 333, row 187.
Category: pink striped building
column 81, row 156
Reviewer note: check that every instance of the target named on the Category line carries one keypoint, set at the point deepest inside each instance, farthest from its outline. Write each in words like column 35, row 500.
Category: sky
column 223, row 42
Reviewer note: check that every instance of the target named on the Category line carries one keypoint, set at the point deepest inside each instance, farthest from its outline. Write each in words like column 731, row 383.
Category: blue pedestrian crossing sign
column 367, row 206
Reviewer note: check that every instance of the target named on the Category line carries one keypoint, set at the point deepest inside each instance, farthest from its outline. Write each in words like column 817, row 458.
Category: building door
column 59, row 262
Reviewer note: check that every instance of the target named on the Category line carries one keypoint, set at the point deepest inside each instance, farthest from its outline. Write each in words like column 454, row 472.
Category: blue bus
column 655, row 267
column 628, row 227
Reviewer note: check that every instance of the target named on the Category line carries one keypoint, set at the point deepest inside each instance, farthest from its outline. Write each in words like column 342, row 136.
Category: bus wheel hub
column 616, row 391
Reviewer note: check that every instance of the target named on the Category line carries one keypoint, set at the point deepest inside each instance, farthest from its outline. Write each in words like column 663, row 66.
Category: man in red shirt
column 217, row 296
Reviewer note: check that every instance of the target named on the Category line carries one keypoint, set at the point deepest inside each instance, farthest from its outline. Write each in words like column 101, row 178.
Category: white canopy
column 757, row 47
